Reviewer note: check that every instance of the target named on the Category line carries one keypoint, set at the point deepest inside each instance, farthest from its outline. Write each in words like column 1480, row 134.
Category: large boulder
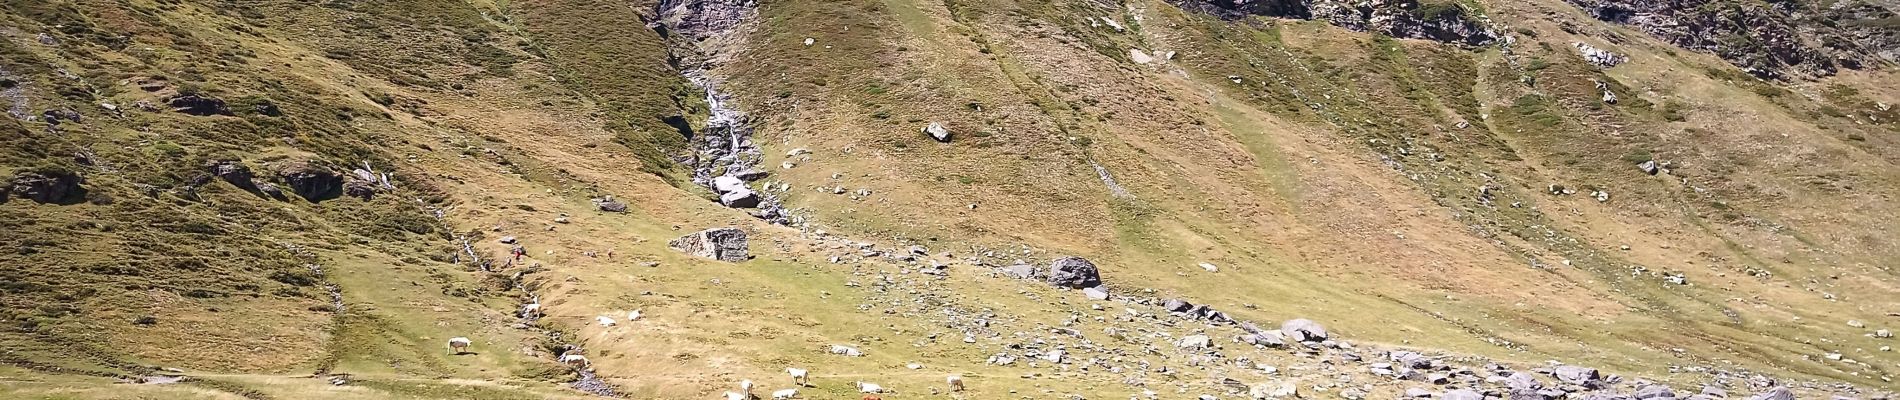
column 1576, row 375
column 1195, row 342
column 196, row 104
column 311, row 181
column 1073, row 273
column 234, row 172
column 1411, row 360
column 1654, row 392
column 750, row 174
column 361, row 184
column 1020, row 271
column 613, row 206
column 724, row 244
column 733, row 192
column 48, row 186
column 1303, row 330
column 1176, row 305
column 727, row 183
column 937, row 131
column 1777, row 393
column 1524, row 381
column 1461, row 394
column 741, row 198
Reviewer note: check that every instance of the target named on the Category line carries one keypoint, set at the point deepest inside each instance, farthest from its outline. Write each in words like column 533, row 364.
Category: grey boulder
column 741, row 198
column 1777, row 393
column 1462, row 394
column 1176, row 305
column 1020, row 271
column 1577, row 375
column 1303, row 330
column 1074, row 273
column 723, row 244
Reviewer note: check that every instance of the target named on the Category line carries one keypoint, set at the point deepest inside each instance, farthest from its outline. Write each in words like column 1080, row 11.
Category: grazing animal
column 633, row 315
column 867, row 387
column 800, row 377
column 784, row 394
column 459, row 345
column 574, row 360
column 956, row 383
column 604, row 321
column 745, row 386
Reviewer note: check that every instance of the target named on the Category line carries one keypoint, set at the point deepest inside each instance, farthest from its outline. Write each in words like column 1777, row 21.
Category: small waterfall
column 724, row 147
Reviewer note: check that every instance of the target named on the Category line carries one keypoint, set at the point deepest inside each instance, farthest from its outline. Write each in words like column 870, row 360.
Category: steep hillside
column 288, row 199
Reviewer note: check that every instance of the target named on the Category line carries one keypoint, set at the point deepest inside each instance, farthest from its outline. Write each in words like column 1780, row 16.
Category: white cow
column 745, row 387
column 574, row 360
column 956, row 383
column 784, row 394
column 459, row 345
column 867, row 387
column 633, row 315
column 604, row 321
column 800, row 377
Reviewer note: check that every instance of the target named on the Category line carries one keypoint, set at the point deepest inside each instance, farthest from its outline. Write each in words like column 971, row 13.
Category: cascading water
column 724, row 157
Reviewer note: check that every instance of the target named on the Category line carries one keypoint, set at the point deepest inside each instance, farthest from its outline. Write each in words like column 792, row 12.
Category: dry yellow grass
column 1300, row 211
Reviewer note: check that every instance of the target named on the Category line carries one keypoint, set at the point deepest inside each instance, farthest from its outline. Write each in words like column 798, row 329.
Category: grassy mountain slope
column 1396, row 191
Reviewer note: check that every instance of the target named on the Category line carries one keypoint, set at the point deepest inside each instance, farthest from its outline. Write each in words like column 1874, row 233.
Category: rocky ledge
column 1450, row 23
column 1771, row 40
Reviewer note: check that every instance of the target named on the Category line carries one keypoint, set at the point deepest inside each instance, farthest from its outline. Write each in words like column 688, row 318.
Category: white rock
column 1195, row 342
column 1139, row 57
column 846, row 351
column 809, row 41
column 727, row 183
column 937, row 131
column 1210, row 267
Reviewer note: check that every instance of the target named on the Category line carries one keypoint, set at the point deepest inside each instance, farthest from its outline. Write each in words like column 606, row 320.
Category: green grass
column 623, row 67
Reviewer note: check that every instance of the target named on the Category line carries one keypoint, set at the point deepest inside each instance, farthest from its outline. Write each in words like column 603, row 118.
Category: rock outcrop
column 47, row 187
column 1771, row 40
column 1448, row 23
column 199, row 105
column 311, row 181
column 723, row 244
column 702, row 34
column 235, row 173
column 1599, row 57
